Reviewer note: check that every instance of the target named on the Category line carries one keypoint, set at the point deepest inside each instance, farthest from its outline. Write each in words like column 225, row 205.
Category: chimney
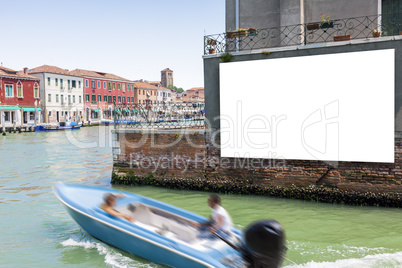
column 25, row 70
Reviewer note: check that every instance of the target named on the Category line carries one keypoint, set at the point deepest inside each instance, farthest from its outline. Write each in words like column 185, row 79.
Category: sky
column 133, row 39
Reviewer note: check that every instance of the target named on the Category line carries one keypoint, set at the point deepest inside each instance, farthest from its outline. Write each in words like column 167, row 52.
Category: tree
column 175, row 88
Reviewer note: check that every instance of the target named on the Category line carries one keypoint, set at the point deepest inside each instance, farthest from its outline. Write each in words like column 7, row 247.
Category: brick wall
column 195, row 154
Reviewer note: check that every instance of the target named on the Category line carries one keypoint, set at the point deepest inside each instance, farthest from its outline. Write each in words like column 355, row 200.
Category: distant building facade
column 103, row 90
column 145, row 94
column 19, row 95
column 194, row 95
column 61, row 94
column 164, row 96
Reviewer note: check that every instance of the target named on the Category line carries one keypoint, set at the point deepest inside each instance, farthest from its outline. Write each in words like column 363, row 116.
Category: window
column 36, row 91
column 109, row 98
column 61, row 97
column 87, row 97
column 104, row 84
column 94, row 98
column 123, row 87
column 79, row 84
column 48, row 81
column 132, row 87
column 105, row 98
column 109, row 86
column 128, row 99
column 61, row 83
column 114, row 98
column 79, row 98
column 114, row 85
column 7, row 116
column 124, row 99
column 86, row 83
column 57, row 97
column 9, row 91
column 56, row 80
column 69, row 99
column 118, row 86
column 93, row 84
column 19, row 90
column 73, row 84
column 49, row 97
column 99, row 98
column 73, row 98
column 68, row 84
column 132, row 99
column 99, row 84
column 128, row 87
column 50, row 113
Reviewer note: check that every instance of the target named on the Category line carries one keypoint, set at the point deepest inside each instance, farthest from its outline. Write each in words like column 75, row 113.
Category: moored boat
column 164, row 234
column 59, row 126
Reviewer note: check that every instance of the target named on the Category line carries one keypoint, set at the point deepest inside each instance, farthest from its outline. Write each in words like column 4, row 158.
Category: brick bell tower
column 166, row 77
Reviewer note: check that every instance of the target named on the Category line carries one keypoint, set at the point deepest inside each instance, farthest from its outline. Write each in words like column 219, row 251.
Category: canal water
column 36, row 231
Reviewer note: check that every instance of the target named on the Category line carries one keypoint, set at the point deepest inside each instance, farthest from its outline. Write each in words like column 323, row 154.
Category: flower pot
column 252, row 31
column 313, row 26
column 376, row 34
column 230, row 34
column 326, row 25
column 211, row 51
column 342, row 37
column 234, row 34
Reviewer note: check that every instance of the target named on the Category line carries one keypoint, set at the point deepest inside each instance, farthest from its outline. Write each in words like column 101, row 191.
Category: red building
column 101, row 90
column 19, row 95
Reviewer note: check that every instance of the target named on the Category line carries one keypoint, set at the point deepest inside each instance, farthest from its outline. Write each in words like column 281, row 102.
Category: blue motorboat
column 163, row 233
column 60, row 126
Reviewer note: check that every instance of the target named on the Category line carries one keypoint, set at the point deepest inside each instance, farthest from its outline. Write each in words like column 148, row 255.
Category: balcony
column 304, row 34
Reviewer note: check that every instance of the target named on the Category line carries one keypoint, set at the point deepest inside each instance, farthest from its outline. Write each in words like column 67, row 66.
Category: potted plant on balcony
column 342, row 37
column 326, row 21
column 239, row 32
column 252, row 31
column 376, row 33
column 211, row 42
column 211, row 50
column 313, row 26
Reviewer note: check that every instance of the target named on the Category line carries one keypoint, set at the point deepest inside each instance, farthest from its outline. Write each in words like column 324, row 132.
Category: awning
column 126, row 110
column 134, row 110
column 9, row 108
column 117, row 110
column 31, row 109
column 96, row 110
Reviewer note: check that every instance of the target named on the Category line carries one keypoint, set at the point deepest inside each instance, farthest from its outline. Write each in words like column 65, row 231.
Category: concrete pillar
column 292, row 13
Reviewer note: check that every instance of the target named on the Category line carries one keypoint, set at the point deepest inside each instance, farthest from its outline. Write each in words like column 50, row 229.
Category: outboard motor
column 264, row 244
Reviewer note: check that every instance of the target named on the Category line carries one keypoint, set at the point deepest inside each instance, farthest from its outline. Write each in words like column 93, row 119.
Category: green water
column 37, row 232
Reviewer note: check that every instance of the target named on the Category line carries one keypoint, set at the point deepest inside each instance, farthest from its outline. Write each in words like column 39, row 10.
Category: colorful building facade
column 19, row 98
column 103, row 90
column 61, row 94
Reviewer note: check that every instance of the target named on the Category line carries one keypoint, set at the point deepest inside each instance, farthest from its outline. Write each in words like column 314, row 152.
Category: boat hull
column 135, row 239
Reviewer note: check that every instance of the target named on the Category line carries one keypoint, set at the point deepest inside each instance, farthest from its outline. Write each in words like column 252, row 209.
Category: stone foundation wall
column 195, row 154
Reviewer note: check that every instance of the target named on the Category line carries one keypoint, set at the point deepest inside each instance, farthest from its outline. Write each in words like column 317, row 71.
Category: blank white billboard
column 336, row 107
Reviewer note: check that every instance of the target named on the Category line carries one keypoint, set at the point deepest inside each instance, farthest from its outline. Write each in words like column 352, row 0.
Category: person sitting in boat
column 109, row 204
column 220, row 223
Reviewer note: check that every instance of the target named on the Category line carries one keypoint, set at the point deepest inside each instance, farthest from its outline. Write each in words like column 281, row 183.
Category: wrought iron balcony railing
column 303, row 34
column 183, row 115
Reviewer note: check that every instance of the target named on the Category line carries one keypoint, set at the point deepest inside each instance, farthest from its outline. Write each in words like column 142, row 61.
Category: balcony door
column 392, row 17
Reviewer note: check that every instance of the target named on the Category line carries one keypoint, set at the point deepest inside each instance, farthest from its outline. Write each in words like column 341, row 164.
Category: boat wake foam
column 112, row 258
column 369, row 261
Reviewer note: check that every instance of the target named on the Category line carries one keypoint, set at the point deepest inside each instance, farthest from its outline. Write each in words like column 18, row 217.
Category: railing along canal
column 186, row 115
column 303, row 34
